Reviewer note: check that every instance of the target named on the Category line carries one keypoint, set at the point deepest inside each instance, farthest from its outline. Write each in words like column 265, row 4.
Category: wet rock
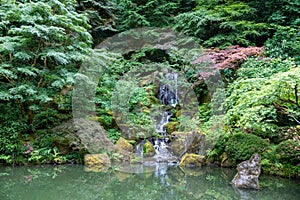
column 192, row 160
column 248, row 172
column 186, row 142
column 96, row 162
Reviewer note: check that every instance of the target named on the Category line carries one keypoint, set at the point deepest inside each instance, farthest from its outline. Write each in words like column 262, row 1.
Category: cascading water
column 168, row 95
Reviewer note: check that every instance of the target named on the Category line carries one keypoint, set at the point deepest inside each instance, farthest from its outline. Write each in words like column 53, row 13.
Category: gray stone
column 248, row 172
column 186, row 142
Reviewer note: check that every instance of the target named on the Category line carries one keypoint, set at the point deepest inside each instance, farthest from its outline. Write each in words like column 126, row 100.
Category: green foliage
column 9, row 141
column 46, row 155
column 114, row 134
column 288, row 152
column 102, row 17
column 10, row 129
column 260, row 105
column 263, row 67
column 134, row 14
column 283, row 12
column 42, row 44
column 205, row 112
column 37, row 41
column 229, row 19
column 241, row 146
column 217, row 150
column 284, row 44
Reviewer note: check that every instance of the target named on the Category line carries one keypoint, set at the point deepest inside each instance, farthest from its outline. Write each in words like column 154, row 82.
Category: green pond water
column 159, row 182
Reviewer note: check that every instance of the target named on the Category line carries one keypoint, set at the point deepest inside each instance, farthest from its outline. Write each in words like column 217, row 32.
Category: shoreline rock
column 248, row 172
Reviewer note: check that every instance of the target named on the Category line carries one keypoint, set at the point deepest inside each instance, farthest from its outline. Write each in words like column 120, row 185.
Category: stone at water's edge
column 226, row 160
column 186, row 142
column 248, row 172
column 124, row 149
column 124, row 145
column 96, row 162
column 192, row 160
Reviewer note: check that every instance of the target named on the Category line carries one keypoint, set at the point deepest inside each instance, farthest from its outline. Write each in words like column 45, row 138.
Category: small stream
column 158, row 182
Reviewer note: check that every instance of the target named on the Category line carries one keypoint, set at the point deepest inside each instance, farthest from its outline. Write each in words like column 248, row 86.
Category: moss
column 146, row 110
column 154, row 100
column 124, row 145
column 192, row 160
column 242, row 146
column 171, row 127
column 148, row 149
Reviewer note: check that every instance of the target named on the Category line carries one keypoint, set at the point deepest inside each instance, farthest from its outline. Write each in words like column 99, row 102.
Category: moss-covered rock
column 177, row 113
column 186, row 142
column 96, row 162
column 192, row 160
column 148, row 149
column 124, row 149
column 172, row 127
column 65, row 138
column 124, row 145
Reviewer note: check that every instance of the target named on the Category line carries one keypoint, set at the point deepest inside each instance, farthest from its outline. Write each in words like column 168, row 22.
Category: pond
column 157, row 182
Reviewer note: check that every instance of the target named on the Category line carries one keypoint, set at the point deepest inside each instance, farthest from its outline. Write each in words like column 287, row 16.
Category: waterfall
column 165, row 118
column 168, row 95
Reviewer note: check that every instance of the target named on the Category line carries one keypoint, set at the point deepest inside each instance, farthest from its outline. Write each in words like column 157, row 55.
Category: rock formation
column 248, row 172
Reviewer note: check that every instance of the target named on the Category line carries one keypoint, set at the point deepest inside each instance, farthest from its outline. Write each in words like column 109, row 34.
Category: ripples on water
column 156, row 182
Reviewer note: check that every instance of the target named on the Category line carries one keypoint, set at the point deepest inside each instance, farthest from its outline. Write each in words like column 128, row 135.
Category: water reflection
column 159, row 181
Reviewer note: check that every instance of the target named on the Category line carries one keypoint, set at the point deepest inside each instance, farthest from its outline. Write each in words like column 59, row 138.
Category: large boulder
column 192, row 160
column 186, row 142
column 64, row 137
column 96, row 162
column 248, row 172
column 125, row 151
column 81, row 134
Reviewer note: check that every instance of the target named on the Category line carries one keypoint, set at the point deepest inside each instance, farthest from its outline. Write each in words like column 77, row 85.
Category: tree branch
column 296, row 95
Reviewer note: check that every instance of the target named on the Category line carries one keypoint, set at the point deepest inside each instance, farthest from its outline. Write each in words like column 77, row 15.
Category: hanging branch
column 296, row 95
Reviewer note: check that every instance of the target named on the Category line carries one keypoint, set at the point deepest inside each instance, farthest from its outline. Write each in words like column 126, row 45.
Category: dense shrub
column 241, row 146
column 261, row 105
column 288, row 152
column 222, row 23
column 284, row 44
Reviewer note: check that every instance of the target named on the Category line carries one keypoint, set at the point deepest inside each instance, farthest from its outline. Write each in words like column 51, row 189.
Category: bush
column 261, row 105
column 241, row 146
column 288, row 152
column 285, row 44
